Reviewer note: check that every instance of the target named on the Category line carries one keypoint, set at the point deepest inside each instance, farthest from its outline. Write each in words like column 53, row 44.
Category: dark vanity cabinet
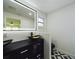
column 26, row 49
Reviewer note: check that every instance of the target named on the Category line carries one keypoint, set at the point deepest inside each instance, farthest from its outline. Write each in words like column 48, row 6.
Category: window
column 40, row 22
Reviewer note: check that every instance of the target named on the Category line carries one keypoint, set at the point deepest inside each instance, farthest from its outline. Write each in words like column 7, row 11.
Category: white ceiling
column 49, row 5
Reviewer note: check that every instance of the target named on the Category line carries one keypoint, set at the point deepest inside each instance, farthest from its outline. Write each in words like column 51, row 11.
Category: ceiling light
column 30, row 13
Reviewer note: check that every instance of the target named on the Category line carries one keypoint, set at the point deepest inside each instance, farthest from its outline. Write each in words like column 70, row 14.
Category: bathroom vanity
column 25, row 49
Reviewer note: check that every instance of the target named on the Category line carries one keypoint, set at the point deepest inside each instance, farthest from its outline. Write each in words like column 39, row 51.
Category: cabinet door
column 24, row 52
column 38, row 50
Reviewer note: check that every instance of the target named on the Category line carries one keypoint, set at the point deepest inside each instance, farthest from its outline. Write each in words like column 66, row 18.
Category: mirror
column 17, row 16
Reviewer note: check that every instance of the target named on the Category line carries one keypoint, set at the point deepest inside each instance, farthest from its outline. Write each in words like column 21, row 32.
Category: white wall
column 16, row 36
column 61, row 26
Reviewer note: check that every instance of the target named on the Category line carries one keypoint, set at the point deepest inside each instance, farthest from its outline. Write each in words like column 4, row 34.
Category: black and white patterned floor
column 59, row 55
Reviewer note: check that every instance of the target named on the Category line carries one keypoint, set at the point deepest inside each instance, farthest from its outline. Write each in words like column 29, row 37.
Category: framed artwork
column 12, row 22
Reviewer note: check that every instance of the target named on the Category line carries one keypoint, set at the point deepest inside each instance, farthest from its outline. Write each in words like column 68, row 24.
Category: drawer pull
column 26, row 58
column 38, row 55
column 24, row 51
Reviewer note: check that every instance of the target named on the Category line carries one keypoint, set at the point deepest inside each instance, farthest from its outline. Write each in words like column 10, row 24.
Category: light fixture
column 40, row 20
column 30, row 13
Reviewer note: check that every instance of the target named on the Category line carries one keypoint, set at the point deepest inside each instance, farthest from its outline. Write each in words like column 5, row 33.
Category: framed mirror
column 17, row 16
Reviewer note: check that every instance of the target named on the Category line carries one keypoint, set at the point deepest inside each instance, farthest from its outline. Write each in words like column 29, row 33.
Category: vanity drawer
column 23, row 52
